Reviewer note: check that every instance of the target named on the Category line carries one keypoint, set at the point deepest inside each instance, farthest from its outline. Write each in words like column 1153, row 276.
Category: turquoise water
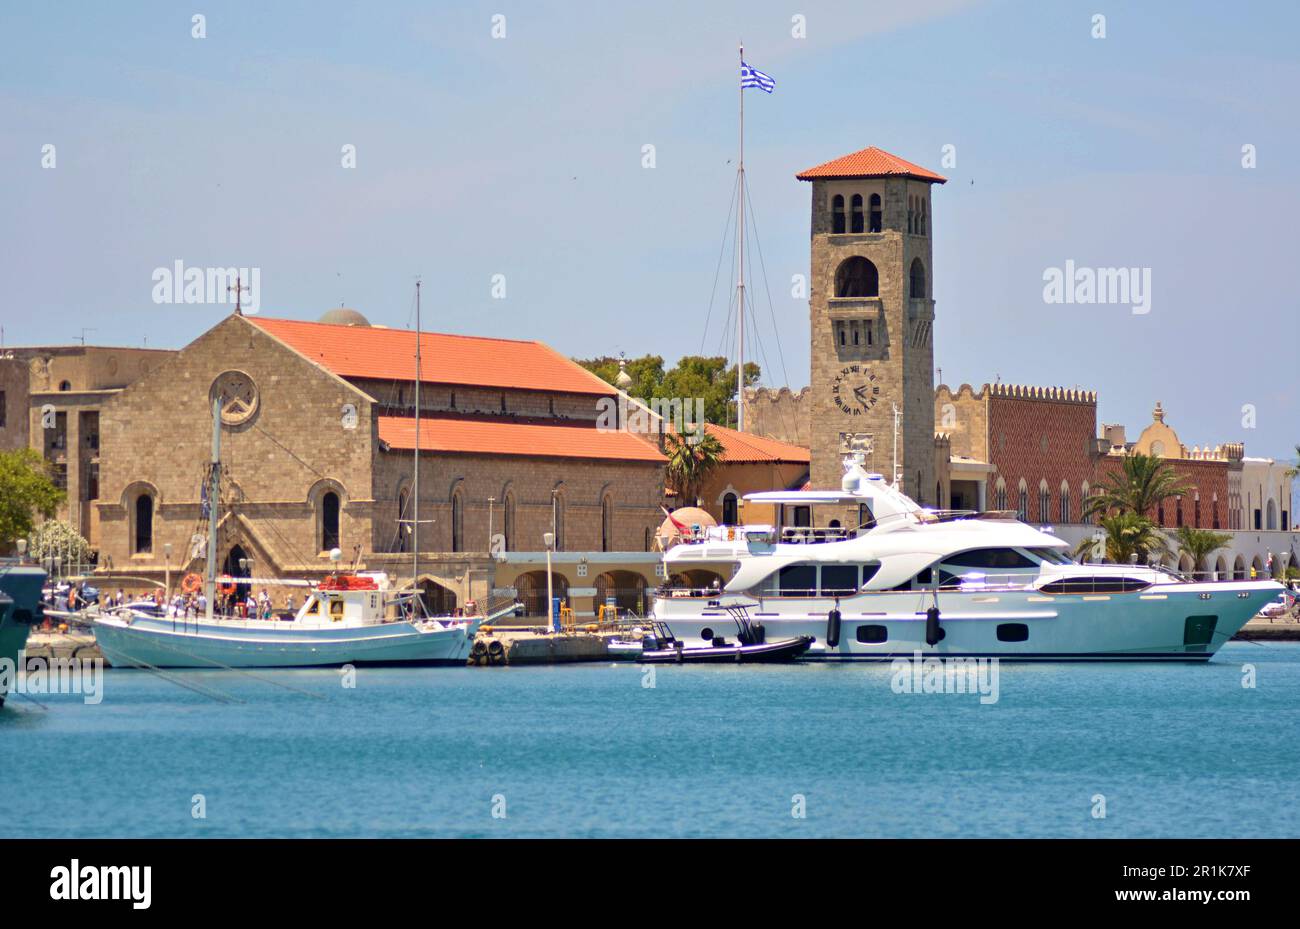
column 587, row 750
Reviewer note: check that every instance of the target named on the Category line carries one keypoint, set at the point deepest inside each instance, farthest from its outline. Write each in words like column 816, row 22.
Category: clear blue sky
column 522, row 156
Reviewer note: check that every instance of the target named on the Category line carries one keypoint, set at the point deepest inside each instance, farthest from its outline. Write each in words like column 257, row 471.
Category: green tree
column 1126, row 535
column 56, row 537
column 1200, row 544
column 1138, row 487
column 691, row 458
column 27, row 491
column 709, row 378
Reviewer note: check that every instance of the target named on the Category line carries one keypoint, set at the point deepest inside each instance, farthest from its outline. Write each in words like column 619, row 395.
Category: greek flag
column 752, row 77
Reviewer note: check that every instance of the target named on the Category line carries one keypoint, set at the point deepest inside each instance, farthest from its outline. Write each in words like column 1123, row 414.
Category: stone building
column 318, row 438
column 871, row 385
column 50, row 401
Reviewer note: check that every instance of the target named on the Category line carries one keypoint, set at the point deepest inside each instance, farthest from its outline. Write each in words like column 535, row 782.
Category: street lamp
column 549, row 539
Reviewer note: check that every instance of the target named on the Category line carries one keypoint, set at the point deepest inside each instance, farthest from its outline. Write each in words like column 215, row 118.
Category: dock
column 516, row 646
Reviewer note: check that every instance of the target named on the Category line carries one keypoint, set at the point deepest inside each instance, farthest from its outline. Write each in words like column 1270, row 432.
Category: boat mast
column 740, row 264
column 415, row 478
column 214, row 489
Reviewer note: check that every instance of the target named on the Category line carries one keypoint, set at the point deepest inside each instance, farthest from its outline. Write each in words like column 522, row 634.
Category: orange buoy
column 226, row 584
column 192, row 583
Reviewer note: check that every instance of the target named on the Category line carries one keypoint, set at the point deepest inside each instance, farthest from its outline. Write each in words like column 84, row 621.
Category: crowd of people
column 184, row 604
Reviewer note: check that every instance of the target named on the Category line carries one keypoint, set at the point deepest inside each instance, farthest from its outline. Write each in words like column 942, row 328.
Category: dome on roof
column 344, row 316
column 688, row 516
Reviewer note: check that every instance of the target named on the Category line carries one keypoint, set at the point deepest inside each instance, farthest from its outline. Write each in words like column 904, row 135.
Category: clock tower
column 872, row 313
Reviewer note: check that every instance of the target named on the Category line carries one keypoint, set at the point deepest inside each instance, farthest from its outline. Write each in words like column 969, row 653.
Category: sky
column 510, row 174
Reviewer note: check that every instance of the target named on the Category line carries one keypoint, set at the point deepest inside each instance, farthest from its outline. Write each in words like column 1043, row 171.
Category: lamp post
column 549, row 539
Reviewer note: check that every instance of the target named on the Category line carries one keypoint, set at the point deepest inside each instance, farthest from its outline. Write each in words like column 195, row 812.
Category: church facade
column 318, row 440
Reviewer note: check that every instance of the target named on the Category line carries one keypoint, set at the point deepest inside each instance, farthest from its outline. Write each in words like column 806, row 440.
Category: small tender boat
column 751, row 645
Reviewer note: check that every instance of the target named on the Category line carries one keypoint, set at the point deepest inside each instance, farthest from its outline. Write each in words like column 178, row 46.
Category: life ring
column 192, row 583
column 226, row 584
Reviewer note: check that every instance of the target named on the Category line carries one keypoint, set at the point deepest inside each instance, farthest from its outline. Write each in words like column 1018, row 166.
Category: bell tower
column 872, row 310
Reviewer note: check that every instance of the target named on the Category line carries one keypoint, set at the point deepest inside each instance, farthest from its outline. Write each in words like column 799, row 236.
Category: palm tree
column 1142, row 483
column 1126, row 535
column 691, row 458
column 1200, row 544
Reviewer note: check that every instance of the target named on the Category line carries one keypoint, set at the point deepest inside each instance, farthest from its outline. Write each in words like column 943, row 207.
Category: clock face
column 238, row 396
column 856, row 390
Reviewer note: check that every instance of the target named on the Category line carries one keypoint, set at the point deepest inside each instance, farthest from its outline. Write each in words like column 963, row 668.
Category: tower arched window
column 876, row 216
column 329, row 521
column 1044, row 502
column 858, row 222
column 911, row 214
column 857, row 277
column 837, row 214
column 558, row 518
column 1065, row 502
column 917, row 279
column 143, row 535
column 1000, row 495
column 1084, row 492
column 1022, row 504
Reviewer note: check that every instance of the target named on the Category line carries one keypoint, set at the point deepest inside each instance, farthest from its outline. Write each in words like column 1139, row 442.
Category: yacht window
column 1050, row 555
column 797, row 580
column 1094, row 585
column 1013, row 632
column 839, row 579
column 990, row 558
column 314, row 608
column 872, row 634
column 868, row 572
column 336, row 608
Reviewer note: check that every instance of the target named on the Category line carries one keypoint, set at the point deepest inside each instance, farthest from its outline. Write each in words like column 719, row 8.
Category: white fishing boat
column 347, row 619
column 945, row 584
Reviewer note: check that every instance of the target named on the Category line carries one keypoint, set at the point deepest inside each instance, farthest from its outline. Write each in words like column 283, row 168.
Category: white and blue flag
column 752, row 77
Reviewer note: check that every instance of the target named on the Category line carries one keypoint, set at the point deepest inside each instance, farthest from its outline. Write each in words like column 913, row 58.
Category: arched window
column 1000, row 495
column 558, row 511
column 858, row 224
column 329, row 521
column 924, row 216
column 1084, row 492
column 911, row 214
column 457, row 521
column 1214, row 509
column 917, row 289
column 1065, row 502
column 1022, row 505
column 837, row 214
column 606, row 524
column 1270, row 518
column 857, row 277
column 1044, row 502
column 143, row 524
column 403, row 514
column 730, row 516
column 875, row 213
column 508, row 521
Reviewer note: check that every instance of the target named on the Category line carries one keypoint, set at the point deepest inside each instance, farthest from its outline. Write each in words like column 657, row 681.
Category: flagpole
column 740, row 261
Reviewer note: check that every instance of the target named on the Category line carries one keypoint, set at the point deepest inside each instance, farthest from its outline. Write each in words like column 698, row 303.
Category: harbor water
column 1071, row 750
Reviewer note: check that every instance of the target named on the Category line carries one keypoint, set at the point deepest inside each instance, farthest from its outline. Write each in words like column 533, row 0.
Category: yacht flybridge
column 907, row 579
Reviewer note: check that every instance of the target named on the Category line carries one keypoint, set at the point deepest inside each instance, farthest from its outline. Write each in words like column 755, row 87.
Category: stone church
column 317, row 448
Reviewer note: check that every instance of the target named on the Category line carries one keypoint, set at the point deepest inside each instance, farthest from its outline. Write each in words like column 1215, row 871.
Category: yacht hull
column 20, row 608
column 162, row 643
column 1173, row 622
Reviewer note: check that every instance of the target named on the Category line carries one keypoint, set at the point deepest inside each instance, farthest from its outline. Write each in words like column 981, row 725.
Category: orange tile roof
column 483, row 436
column 471, row 361
column 870, row 162
column 741, row 447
